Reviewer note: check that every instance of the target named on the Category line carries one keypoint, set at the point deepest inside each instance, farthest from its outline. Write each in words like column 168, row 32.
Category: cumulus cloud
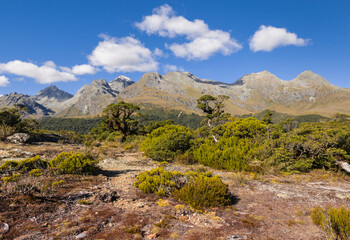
column 83, row 69
column 47, row 73
column 123, row 55
column 172, row 68
column 4, row 81
column 203, row 42
column 268, row 38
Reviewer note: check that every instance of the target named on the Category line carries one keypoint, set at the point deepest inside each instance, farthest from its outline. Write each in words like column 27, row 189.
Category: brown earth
column 108, row 206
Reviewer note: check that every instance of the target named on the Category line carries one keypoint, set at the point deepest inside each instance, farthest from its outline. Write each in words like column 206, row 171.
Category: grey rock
column 18, row 138
column 4, row 228
column 237, row 237
column 81, row 235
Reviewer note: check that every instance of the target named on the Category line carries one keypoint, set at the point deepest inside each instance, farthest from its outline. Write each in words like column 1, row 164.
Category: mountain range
column 307, row 93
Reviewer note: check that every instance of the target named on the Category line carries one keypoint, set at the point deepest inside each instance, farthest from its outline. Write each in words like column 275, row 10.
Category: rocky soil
column 108, row 206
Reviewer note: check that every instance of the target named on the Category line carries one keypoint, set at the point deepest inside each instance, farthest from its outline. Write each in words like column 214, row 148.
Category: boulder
column 18, row 138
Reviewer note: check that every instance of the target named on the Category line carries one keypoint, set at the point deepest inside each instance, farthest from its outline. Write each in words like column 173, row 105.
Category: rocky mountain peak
column 258, row 80
column 309, row 79
column 120, row 83
column 52, row 92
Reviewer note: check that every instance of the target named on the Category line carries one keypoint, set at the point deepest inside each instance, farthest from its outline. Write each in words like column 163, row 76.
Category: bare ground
column 267, row 207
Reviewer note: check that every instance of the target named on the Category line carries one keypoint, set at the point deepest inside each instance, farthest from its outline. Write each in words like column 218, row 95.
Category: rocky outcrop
column 120, row 83
column 18, row 138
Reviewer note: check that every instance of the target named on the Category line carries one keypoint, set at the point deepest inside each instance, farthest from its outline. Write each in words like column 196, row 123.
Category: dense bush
column 25, row 165
column 335, row 221
column 200, row 190
column 235, row 144
column 159, row 181
column 204, row 192
column 74, row 163
column 164, row 143
column 312, row 145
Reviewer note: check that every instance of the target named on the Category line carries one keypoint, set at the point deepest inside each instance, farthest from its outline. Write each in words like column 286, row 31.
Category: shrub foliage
column 199, row 190
column 164, row 143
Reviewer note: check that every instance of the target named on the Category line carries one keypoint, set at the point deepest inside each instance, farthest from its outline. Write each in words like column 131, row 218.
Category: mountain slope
column 34, row 108
column 90, row 99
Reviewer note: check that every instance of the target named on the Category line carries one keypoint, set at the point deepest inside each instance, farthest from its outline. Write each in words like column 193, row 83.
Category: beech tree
column 213, row 108
column 119, row 117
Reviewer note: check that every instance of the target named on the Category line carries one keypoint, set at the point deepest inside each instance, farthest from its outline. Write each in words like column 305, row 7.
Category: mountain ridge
column 306, row 93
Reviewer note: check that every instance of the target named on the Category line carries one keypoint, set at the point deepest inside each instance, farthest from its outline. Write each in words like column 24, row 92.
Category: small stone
column 81, row 235
column 4, row 228
column 237, row 237
column 152, row 236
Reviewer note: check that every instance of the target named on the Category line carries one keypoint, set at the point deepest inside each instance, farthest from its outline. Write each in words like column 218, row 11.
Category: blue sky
column 70, row 43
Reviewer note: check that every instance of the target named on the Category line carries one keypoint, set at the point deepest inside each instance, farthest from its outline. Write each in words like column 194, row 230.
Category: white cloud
column 4, row 81
column 268, row 38
column 123, row 55
column 47, row 73
column 206, row 45
column 164, row 22
column 83, row 69
column 172, row 68
column 203, row 42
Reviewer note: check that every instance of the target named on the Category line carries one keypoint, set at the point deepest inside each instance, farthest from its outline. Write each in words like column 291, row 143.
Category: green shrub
column 164, row 143
column 198, row 189
column 58, row 183
column 24, row 165
column 335, row 221
column 8, row 166
column 35, row 172
column 312, row 146
column 158, row 181
column 74, row 163
column 32, row 163
column 228, row 153
column 204, row 192
column 13, row 178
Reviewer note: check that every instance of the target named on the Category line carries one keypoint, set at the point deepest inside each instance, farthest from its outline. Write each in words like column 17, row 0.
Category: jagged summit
column 53, row 92
column 120, row 83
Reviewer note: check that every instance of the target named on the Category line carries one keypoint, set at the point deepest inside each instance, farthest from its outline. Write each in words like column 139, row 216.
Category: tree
column 119, row 117
column 11, row 121
column 213, row 107
column 267, row 119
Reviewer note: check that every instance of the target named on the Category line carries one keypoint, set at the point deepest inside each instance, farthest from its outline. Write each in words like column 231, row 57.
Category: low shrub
column 204, row 192
column 159, row 181
column 198, row 189
column 74, row 163
column 25, row 165
column 335, row 221
column 164, row 143
column 35, row 172
column 13, row 178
